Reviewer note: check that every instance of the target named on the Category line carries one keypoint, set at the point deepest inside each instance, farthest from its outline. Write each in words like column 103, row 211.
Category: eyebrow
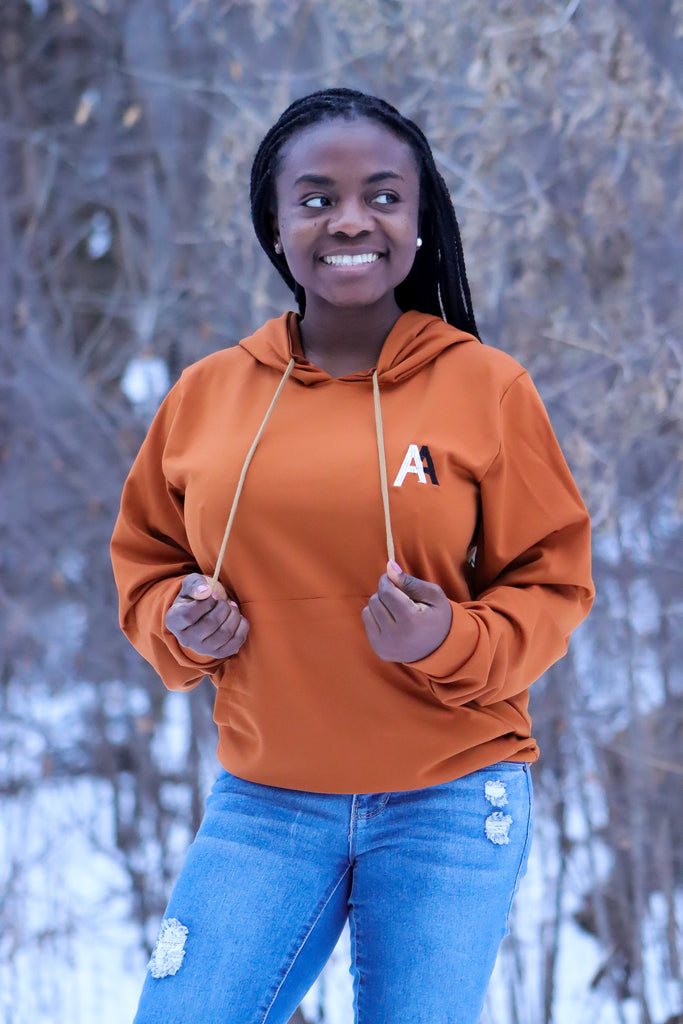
column 322, row 179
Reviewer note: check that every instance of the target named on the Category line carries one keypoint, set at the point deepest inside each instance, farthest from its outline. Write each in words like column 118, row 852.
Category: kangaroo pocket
column 297, row 650
column 307, row 704
column 300, row 639
column 307, row 678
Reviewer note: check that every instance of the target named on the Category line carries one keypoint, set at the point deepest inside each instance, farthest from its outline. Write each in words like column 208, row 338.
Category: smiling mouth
column 351, row 261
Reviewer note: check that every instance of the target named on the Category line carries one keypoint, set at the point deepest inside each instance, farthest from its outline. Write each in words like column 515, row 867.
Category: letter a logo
column 412, row 463
column 417, row 461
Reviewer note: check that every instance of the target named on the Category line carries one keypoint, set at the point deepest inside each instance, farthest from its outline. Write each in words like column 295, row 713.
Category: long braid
column 437, row 282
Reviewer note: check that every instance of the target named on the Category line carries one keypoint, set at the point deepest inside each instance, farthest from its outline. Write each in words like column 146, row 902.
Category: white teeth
column 351, row 261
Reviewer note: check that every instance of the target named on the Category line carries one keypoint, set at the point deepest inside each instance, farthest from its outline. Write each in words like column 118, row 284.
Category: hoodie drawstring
column 380, row 452
column 382, row 467
column 245, row 467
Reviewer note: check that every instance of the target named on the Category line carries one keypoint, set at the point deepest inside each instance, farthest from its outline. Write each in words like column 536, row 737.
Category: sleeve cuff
column 188, row 658
column 455, row 651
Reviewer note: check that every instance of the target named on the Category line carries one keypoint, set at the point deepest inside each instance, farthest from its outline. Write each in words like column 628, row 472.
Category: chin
column 350, row 299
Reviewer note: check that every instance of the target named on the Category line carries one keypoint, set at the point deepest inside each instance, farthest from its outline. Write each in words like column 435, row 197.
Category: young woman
column 405, row 553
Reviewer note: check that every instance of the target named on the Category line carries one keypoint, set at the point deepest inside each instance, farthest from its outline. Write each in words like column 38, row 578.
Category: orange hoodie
column 306, row 703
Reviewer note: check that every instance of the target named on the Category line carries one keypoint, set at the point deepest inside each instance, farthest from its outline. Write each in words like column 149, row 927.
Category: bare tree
column 126, row 134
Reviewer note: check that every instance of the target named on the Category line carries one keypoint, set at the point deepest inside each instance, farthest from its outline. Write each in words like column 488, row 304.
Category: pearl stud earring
column 419, row 242
column 278, row 248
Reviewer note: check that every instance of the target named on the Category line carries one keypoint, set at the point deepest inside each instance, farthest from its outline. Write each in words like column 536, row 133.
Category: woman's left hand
column 407, row 618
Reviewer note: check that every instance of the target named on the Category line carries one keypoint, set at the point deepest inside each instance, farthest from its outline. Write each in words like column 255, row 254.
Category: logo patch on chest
column 417, row 461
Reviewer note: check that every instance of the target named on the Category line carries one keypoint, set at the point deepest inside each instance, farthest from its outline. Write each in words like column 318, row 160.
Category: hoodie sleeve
column 151, row 554
column 532, row 575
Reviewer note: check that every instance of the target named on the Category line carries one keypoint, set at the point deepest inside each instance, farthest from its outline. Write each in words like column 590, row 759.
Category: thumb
column 417, row 590
column 200, row 587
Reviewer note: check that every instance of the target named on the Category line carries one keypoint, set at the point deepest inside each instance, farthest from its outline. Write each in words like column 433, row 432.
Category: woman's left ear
column 420, row 224
column 277, row 244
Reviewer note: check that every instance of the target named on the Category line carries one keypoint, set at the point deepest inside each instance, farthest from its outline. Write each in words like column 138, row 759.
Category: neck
column 344, row 341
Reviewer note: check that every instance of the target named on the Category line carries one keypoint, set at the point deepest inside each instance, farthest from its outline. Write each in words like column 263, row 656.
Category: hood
column 415, row 340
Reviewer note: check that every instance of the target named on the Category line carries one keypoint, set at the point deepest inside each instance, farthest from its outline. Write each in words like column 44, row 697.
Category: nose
column 350, row 217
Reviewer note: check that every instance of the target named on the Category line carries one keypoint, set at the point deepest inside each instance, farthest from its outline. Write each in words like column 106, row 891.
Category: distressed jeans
column 425, row 877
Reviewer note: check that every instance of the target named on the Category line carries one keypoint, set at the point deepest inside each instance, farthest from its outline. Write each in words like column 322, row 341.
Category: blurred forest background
column 126, row 133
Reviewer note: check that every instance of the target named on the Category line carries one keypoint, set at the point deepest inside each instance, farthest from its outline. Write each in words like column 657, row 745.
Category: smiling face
column 348, row 197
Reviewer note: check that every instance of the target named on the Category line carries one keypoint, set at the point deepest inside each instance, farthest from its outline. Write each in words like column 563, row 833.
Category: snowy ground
column 71, row 954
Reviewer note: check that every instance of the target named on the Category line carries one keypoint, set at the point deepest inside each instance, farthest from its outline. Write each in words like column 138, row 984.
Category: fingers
column 386, row 607
column 186, row 611
column 369, row 621
column 219, row 623
column 206, row 618
column 217, row 628
column 205, row 622
column 419, row 591
column 397, row 603
column 232, row 645
column 407, row 618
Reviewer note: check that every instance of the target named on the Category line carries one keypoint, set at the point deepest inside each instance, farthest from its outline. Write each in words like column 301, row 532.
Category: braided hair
column 437, row 282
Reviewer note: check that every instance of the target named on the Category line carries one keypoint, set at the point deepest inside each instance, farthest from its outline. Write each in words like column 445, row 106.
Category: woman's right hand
column 204, row 620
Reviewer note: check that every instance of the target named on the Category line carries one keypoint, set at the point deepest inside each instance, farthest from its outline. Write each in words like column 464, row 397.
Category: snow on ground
column 71, row 954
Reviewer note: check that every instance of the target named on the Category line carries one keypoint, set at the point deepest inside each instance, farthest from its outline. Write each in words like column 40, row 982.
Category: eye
column 316, row 202
column 386, row 198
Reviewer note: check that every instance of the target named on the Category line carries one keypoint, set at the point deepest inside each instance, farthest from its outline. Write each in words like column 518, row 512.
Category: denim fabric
column 426, row 878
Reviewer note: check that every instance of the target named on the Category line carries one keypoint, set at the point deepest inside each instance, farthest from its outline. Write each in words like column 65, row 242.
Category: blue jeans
column 425, row 877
